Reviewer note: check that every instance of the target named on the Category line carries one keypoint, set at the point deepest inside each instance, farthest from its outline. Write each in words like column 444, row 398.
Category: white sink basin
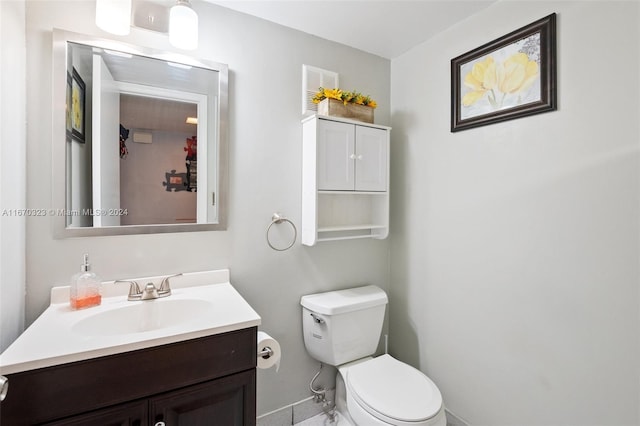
column 140, row 317
column 201, row 304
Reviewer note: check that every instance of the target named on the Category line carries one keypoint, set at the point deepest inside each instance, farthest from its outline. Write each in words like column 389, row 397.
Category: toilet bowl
column 342, row 328
column 385, row 391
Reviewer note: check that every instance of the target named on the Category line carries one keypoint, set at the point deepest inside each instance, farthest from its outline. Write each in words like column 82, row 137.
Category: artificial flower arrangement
column 352, row 97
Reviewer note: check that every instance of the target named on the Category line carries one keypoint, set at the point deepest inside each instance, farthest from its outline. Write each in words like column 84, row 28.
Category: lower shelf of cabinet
column 342, row 228
column 336, row 233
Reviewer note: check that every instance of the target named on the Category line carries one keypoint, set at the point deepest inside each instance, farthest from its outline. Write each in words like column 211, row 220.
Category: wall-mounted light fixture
column 183, row 26
column 114, row 16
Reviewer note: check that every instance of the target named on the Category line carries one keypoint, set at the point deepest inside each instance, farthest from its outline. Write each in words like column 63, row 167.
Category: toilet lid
column 394, row 389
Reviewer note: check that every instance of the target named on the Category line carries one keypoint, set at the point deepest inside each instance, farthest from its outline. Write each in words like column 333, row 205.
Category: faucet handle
column 164, row 286
column 134, row 289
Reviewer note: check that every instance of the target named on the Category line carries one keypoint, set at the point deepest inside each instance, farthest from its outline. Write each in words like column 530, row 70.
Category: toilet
column 342, row 328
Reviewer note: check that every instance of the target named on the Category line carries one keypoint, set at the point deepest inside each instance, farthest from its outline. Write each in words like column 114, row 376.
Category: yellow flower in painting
column 517, row 73
column 481, row 78
column 76, row 109
column 472, row 97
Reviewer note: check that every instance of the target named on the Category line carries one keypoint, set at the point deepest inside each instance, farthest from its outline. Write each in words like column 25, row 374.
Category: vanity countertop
column 61, row 335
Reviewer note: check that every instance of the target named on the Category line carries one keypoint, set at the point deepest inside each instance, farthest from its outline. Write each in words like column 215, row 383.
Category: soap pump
column 85, row 287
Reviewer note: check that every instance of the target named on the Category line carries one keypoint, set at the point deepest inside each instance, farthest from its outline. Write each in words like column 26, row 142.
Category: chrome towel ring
column 277, row 218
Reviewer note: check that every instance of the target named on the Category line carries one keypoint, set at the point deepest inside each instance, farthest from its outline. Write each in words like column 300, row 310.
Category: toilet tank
column 344, row 325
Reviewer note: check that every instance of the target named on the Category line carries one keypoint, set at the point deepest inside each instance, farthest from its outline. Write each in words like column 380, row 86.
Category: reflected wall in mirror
column 142, row 147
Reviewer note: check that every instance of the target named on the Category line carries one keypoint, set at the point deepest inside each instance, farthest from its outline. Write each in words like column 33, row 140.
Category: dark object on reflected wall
column 175, row 181
column 124, row 135
column 192, row 176
column 192, row 148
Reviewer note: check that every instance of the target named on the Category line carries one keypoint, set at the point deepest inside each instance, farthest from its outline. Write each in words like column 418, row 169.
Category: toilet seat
column 393, row 391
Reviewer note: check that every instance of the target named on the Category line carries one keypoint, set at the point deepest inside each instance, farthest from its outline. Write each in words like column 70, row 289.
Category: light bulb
column 114, row 16
column 183, row 26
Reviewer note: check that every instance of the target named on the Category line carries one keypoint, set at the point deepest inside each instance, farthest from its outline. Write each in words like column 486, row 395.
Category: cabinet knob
column 359, row 157
column 352, row 156
column 160, row 424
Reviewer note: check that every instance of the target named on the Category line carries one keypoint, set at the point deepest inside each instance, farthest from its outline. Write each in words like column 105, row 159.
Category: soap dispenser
column 85, row 287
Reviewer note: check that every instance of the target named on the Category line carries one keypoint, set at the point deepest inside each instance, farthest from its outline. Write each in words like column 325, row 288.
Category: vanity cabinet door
column 131, row 414
column 228, row 401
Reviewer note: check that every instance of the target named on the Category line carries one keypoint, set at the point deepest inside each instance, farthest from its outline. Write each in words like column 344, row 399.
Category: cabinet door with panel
column 371, row 155
column 351, row 157
column 228, row 401
column 336, row 155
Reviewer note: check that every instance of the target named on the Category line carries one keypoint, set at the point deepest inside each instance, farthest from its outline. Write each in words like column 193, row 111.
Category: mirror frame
column 58, row 190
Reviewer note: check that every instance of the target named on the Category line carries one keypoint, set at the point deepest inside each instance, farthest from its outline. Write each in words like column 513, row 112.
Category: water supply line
column 320, row 395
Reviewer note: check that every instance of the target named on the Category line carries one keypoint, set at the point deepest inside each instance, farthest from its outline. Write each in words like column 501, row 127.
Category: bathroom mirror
column 139, row 139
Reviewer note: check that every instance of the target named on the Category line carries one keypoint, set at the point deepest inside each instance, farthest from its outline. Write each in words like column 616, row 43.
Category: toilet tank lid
column 341, row 301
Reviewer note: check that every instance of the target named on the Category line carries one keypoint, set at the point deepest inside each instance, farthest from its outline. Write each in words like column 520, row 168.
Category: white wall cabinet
column 345, row 183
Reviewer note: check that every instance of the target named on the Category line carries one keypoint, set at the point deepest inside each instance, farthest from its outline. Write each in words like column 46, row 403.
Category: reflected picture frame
column 77, row 108
column 68, row 108
column 511, row 77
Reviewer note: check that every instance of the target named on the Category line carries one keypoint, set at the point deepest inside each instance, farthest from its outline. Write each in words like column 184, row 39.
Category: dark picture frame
column 511, row 77
column 77, row 107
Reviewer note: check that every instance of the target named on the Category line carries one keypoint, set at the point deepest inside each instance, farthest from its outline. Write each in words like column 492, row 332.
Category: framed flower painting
column 511, row 77
column 77, row 107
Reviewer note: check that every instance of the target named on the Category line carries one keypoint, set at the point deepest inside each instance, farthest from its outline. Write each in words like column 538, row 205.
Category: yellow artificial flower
column 333, row 93
column 346, row 97
column 517, row 73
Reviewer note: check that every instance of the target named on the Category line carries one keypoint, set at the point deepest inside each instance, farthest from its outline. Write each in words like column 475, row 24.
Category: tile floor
column 322, row 420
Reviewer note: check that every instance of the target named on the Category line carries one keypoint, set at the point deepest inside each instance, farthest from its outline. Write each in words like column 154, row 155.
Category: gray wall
column 265, row 62
column 13, row 131
column 515, row 245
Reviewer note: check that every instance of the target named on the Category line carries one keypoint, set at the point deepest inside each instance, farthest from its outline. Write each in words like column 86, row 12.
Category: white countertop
column 52, row 339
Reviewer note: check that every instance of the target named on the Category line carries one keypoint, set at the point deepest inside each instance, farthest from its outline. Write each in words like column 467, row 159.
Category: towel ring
column 277, row 218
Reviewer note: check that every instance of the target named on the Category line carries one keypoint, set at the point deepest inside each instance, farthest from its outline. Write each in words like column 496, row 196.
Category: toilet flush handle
column 318, row 319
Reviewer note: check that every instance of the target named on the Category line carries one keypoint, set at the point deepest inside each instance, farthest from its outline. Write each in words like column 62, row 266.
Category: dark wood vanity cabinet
column 201, row 382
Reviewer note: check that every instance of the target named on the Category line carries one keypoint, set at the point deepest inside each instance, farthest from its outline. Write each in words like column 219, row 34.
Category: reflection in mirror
column 144, row 145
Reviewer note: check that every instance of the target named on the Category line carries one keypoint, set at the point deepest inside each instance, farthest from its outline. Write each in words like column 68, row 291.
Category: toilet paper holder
column 265, row 353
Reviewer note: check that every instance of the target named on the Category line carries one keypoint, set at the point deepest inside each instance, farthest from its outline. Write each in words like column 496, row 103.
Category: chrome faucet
column 150, row 291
